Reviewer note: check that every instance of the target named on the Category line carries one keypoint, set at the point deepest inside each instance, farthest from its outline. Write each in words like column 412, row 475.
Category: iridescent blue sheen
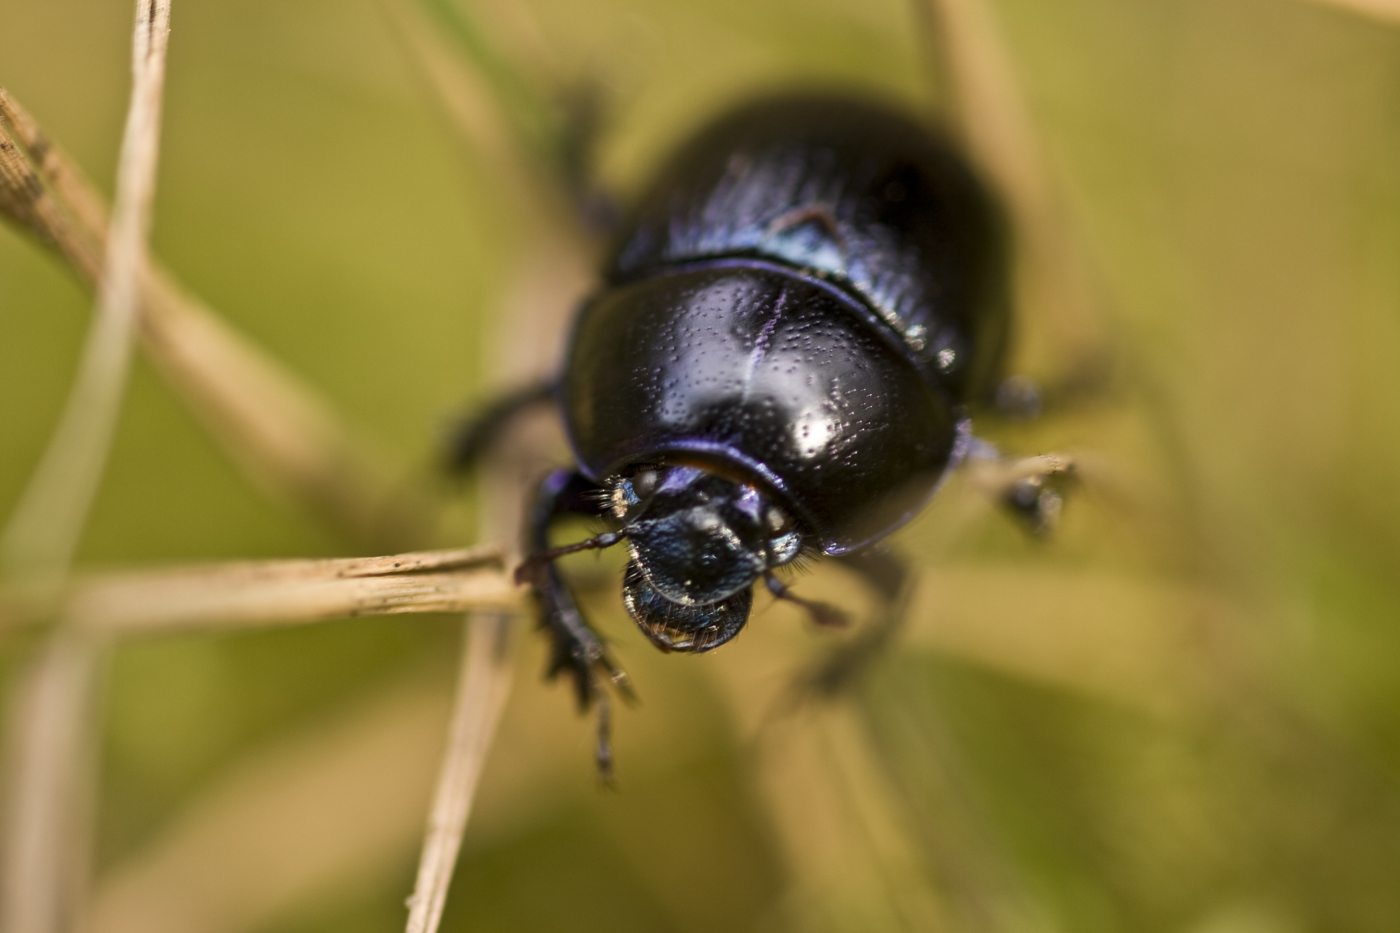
column 807, row 297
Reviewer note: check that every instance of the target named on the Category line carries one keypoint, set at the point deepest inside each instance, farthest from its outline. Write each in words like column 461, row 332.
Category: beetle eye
column 644, row 483
column 779, row 522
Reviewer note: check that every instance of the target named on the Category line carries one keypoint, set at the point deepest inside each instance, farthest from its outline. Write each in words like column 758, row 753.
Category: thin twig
column 279, row 430
column 282, row 592
column 556, row 275
column 43, row 533
column 483, row 687
column 519, row 357
column 25, row 198
column 45, row 863
column 74, row 190
column 552, row 282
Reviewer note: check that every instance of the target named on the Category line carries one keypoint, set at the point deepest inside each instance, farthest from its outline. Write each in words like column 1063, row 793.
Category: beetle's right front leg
column 576, row 650
column 1033, row 488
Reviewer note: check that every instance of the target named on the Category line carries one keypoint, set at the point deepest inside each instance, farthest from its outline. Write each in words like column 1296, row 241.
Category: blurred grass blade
column 26, row 198
column 283, row 435
column 1060, row 327
column 483, row 686
column 528, row 170
column 43, row 533
column 1388, row 10
column 533, row 116
column 49, row 795
column 285, row 592
column 74, row 191
column 45, row 864
column 550, row 284
column 315, row 811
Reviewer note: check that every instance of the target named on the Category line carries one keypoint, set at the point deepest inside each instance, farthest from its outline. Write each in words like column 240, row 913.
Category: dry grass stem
column 991, row 115
column 45, row 860
column 548, row 286
column 74, row 191
column 483, row 687
column 26, row 198
column 44, row 530
column 288, row 592
column 275, row 427
column 48, row 793
column 283, row 435
column 1388, row 10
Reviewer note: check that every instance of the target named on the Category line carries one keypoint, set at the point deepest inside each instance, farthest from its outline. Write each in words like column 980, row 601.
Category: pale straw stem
column 482, row 688
column 1387, row 10
column 44, row 531
column 45, row 864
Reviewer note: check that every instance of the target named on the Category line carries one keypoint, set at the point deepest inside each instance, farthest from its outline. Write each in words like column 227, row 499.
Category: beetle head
column 698, row 540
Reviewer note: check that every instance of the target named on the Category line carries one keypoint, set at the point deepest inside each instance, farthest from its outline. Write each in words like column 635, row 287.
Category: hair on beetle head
column 699, row 534
column 699, row 538
column 673, row 626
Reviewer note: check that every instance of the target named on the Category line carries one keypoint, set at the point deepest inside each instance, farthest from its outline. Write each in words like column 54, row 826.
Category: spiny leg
column 472, row 436
column 888, row 577
column 821, row 614
column 576, row 650
column 1032, row 488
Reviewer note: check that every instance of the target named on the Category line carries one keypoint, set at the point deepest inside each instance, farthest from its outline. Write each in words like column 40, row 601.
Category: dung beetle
column 779, row 362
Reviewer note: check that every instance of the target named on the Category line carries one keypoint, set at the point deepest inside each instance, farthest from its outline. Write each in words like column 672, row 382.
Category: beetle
column 793, row 325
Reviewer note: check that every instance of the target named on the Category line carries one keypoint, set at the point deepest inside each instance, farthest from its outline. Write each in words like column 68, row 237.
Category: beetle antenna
column 823, row 614
column 529, row 569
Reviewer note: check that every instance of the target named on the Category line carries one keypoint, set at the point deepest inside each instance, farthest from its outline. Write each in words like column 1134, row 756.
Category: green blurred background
column 1182, row 714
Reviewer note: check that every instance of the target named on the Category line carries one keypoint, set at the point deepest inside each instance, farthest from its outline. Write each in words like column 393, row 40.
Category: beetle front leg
column 472, row 436
column 888, row 576
column 576, row 650
column 1033, row 488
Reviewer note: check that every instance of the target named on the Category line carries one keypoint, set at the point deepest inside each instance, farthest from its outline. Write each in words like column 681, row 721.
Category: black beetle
column 779, row 362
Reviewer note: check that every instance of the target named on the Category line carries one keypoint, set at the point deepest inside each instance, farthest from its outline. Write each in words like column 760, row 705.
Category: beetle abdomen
column 853, row 192
column 751, row 364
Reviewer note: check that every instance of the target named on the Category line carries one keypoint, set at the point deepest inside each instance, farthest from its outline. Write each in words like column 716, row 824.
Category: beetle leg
column 822, row 614
column 882, row 569
column 888, row 577
column 474, row 434
column 1085, row 381
column 576, row 650
column 1033, row 488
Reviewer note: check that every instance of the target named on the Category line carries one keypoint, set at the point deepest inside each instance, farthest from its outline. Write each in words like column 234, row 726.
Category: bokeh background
column 1180, row 714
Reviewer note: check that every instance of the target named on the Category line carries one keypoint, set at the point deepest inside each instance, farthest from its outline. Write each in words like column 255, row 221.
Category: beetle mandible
column 779, row 362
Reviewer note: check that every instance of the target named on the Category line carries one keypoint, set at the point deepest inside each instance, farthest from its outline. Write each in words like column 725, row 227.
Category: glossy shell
column 808, row 296
column 854, row 192
column 780, row 375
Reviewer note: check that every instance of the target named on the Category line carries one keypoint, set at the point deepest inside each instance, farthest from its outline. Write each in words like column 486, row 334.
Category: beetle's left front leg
column 576, row 650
